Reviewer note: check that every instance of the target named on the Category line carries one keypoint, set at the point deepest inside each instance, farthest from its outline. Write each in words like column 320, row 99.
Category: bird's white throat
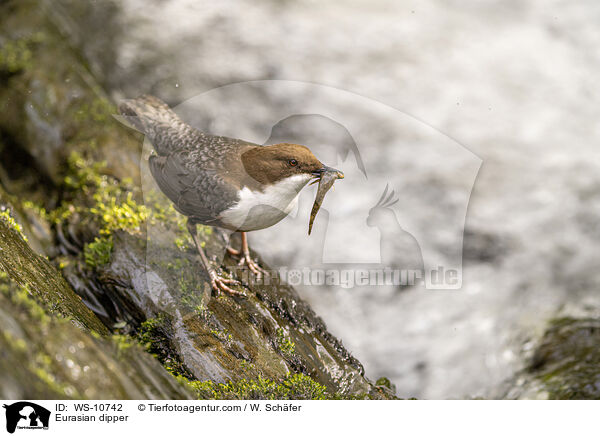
column 257, row 210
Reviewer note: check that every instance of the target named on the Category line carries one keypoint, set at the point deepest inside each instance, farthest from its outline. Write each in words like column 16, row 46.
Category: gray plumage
column 189, row 165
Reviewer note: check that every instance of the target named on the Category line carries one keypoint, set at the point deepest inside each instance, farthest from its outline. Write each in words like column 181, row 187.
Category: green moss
column 22, row 302
column 21, row 296
column 119, row 213
column 177, row 264
column 98, row 110
column 113, row 206
column 38, row 370
column 201, row 310
column 150, row 330
column 385, row 382
column 567, row 360
column 284, row 344
column 190, row 296
column 153, row 334
column 188, row 290
column 222, row 335
column 40, row 283
column 18, row 344
column 123, row 343
column 302, row 387
column 8, row 219
column 17, row 55
column 98, row 253
column 293, row 387
column 183, row 243
column 105, row 203
column 43, row 368
column 36, row 209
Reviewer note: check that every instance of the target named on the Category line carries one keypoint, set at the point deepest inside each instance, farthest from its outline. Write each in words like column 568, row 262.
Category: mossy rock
column 49, row 358
column 565, row 364
column 292, row 387
column 41, row 279
column 51, row 103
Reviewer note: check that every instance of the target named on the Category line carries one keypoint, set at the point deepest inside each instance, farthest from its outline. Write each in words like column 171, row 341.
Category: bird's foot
column 219, row 284
column 245, row 258
column 252, row 265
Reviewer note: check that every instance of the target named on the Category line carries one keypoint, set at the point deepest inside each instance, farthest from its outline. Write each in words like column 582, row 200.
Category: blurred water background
column 508, row 85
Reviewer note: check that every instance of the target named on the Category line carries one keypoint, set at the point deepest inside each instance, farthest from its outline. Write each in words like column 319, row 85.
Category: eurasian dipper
column 220, row 181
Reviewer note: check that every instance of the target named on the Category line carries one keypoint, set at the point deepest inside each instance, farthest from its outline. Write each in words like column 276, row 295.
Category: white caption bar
column 297, row 417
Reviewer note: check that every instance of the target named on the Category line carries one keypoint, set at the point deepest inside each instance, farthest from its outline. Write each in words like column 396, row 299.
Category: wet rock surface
column 121, row 307
column 269, row 333
column 49, row 357
column 563, row 364
column 31, row 271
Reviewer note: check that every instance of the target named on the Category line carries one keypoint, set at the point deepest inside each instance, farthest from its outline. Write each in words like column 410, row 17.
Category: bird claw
column 252, row 265
column 245, row 258
column 219, row 284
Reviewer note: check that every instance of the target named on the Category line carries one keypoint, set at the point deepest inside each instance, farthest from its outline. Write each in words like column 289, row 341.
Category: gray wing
column 168, row 133
column 163, row 127
column 190, row 188
column 190, row 165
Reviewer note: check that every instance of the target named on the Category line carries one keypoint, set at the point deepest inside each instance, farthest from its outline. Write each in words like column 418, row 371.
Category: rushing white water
column 515, row 82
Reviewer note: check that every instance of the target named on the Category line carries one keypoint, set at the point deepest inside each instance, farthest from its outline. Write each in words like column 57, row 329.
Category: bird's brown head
column 272, row 163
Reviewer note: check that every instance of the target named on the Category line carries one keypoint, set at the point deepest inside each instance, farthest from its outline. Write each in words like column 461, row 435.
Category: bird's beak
column 326, row 169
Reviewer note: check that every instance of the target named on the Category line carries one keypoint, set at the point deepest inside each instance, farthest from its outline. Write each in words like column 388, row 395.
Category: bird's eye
column 293, row 162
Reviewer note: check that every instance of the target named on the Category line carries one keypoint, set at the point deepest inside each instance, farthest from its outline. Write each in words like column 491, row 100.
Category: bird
column 220, row 181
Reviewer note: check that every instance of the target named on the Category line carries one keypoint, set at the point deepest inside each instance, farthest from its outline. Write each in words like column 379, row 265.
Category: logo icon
column 26, row 415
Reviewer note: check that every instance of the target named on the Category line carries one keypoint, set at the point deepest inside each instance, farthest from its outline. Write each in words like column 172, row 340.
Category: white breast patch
column 258, row 210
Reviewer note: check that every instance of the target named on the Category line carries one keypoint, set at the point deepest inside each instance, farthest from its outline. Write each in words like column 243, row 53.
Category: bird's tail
column 152, row 117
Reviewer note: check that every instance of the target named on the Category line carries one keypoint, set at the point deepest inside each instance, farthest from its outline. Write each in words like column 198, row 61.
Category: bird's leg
column 233, row 251
column 245, row 258
column 217, row 282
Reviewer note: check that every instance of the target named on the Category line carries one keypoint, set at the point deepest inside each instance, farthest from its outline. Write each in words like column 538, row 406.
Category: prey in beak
column 317, row 175
column 326, row 177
